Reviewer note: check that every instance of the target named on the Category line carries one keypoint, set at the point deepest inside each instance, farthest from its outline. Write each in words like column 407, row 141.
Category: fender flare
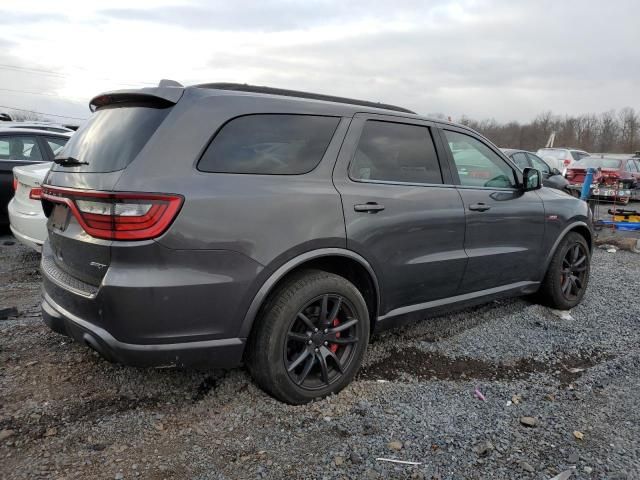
column 287, row 267
column 563, row 234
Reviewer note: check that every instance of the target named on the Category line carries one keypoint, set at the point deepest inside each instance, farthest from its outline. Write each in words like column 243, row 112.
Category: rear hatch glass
column 111, row 138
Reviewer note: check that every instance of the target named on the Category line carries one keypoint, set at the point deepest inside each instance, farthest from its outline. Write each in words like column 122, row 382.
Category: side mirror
column 555, row 171
column 531, row 179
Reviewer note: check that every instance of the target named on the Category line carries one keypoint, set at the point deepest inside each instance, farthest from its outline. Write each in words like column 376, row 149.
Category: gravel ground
column 66, row 413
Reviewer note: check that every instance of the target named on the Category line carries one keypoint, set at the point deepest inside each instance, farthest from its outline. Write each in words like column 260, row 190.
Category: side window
column 269, row 144
column 477, row 164
column 538, row 163
column 520, row 159
column 395, row 152
column 632, row 166
column 56, row 144
column 19, row 148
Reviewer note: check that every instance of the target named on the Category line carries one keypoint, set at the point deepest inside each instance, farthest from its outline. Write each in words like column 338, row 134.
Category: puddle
column 430, row 365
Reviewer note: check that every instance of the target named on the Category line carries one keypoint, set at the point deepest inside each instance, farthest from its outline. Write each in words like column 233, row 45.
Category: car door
column 632, row 168
column 504, row 225
column 401, row 214
column 15, row 150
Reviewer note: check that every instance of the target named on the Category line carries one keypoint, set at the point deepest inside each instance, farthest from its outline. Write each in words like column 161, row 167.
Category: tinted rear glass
column 587, row 162
column 112, row 138
column 269, row 144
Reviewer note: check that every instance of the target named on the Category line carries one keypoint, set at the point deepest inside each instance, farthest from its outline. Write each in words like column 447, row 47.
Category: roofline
column 238, row 87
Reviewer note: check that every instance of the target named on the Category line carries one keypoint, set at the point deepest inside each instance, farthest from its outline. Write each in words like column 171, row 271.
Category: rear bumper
column 30, row 228
column 225, row 353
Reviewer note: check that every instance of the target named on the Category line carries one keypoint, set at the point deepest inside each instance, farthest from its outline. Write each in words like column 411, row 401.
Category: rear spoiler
column 166, row 94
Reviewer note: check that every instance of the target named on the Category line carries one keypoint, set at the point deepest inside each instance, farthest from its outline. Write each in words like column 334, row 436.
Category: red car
column 614, row 179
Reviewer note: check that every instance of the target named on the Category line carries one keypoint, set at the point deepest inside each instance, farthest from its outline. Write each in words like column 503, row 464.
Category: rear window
column 552, row 152
column 112, row 137
column 269, row 144
column 587, row 162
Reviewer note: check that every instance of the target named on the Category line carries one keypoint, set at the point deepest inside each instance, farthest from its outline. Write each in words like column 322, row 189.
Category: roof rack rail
column 294, row 93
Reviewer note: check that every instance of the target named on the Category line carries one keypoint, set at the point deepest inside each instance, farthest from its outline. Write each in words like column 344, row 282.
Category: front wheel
column 567, row 277
column 310, row 338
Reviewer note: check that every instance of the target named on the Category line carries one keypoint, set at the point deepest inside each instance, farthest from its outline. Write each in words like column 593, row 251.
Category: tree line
column 610, row 132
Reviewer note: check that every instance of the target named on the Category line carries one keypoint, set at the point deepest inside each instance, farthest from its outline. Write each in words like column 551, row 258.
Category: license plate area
column 59, row 219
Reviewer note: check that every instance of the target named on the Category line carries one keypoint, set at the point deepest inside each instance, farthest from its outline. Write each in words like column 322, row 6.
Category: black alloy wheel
column 321, row 341
column 573, row 272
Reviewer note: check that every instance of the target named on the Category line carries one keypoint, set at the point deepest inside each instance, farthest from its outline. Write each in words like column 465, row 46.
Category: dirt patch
column 429, row 365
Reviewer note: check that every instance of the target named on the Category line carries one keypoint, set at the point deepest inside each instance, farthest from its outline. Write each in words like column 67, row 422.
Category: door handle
column 479, row 207
column 370, row 207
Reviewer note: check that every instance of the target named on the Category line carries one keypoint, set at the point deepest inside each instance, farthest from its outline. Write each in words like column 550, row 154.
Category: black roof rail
column 294, row 93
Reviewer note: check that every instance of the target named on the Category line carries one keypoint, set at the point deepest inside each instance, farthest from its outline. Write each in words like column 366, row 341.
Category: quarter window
column 477, row 164
column 20, row 148
column 269, row 144
column 395, row 152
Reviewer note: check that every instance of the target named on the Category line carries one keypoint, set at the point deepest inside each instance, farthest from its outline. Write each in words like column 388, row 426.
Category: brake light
column 15, row 184
column 567, row 161
column 35, row 193
column 118, row 215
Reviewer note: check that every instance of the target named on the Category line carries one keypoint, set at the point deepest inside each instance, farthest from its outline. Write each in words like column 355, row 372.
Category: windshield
column 112, row 138
column 597, row 163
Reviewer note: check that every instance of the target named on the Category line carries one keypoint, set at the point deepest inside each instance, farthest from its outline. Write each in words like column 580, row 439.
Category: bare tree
column 629, row 124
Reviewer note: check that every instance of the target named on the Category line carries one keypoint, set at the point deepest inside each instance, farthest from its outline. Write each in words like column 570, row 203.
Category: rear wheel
column 311, row 337
column 567, row 277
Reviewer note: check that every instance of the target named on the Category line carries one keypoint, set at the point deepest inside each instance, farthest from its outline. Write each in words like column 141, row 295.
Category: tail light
column 35, row 193
column 118, row 215
column 569, row 175
column 567, row 161
column 15, row 184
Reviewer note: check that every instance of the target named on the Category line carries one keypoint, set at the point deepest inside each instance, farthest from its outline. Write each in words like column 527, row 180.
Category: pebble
column 528, row 421
column 394, row 445
column 527, row 467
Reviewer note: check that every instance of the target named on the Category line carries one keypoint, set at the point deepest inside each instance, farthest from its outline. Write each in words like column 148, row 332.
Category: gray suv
column 225, row 224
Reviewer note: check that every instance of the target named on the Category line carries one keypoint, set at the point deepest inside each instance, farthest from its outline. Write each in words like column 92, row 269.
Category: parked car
column 41, row 126
column 23, row 147
column 27, row 220
column 551, row 177
column 560, row 158
column 223, row 224
column 614, row 178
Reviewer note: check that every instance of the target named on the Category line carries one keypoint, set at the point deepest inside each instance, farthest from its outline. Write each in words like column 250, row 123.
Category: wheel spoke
column 298, row 361
column 323, row 310
column 306, row 321
column 326, row 353
column 566, row 284
column 324, row 370
column 344, row 326
column 579, row 261
column 334, row 311
column 575, row 253
column 574, row 287
column 307, row 368
column 579, row 269
column 298, row 337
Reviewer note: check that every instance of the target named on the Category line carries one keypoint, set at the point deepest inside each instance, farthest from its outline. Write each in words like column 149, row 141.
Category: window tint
column 269, row 144
column 56, row 144
column 395, row 152
column 520, row 159
column 112, row 137
column 20, row 148
column 576, row 155
column 538, row 163
column 477, row 164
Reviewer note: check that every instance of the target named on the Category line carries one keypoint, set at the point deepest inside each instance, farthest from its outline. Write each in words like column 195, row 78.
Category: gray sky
column 506, row 59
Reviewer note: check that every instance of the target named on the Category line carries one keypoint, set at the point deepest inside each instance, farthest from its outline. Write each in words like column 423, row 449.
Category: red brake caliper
column 334, row 346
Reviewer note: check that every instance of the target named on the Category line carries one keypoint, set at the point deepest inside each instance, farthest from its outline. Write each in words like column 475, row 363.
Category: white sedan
column 28, row 222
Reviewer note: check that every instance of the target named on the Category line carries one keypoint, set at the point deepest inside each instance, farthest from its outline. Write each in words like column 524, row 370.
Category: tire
column 292, row 318
column 553, row 291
